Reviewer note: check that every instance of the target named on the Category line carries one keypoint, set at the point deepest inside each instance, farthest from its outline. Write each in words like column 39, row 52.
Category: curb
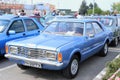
column 103, row 72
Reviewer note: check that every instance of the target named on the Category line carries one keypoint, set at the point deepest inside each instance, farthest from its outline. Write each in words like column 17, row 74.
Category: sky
column 74, row 5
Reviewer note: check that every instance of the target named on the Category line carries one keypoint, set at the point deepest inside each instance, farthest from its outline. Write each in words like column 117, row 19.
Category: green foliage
column 118, row 74
column 96, row 11
column 106, row 12
column 89, row 11
column 112, row 67
column 83, row 8
column 116, row 6
column 90, row 6
column 95, row 5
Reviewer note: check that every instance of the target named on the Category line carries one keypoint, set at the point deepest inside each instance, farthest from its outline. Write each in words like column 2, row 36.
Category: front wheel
column 104, row 50
column 72, row 69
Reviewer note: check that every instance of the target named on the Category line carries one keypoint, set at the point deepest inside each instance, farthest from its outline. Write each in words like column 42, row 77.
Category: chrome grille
column 30, row 52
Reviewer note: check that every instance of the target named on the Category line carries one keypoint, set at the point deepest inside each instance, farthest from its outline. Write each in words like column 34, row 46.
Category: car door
column 31, row 27
column 99, row 35
column 15, row 30
column 95, row 38
column 90, row 41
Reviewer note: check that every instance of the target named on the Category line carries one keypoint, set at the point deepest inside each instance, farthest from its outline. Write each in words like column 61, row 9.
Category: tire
column 22, row 66
column 72, row 69
column 104, row 50
column 115, row 42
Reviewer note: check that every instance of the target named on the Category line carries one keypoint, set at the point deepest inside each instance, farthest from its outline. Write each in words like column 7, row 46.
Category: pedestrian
column 54, row 13
column 36, row 12
column 22, row 13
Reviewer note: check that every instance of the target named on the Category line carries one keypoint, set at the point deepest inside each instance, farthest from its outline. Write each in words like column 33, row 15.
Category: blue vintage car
column 13, row 27
column 61, row 46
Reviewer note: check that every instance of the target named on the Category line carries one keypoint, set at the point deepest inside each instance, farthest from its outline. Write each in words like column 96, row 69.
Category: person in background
column 79, row 16
column 36, row 12
column 22, row 13
column 54, row 13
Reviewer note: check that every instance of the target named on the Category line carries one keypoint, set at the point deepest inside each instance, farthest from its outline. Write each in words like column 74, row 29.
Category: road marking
column 8, row 67
column 100, row 75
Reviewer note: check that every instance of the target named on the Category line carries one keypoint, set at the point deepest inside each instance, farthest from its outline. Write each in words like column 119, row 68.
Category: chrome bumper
column 34, row 60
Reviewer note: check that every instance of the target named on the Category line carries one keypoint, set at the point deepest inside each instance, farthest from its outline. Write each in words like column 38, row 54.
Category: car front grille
column 30, row 52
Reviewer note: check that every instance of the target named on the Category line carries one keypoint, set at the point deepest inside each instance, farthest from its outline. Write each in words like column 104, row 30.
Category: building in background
column 6, row 6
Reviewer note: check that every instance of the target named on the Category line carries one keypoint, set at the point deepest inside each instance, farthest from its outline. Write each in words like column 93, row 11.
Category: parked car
column 50, row 19
column 111, row 23
column 40, row 19
column 61, row 46
column 14, row 27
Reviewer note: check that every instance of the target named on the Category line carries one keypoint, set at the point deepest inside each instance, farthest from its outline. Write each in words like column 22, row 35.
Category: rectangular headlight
column 13, row 49
column 50, row 55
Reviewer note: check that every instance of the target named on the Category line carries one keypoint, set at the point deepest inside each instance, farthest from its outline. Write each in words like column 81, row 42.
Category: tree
column 97, row 10
column 90, row 6
column 83, row 8
column 106, row 12
column 95, row 5
column 116, row 7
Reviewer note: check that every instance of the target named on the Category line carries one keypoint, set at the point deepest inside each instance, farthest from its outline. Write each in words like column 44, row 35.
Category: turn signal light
column 6, row 49
column 59, row 57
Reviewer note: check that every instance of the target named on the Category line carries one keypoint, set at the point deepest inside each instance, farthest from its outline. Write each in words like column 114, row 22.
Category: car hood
column 45, row 41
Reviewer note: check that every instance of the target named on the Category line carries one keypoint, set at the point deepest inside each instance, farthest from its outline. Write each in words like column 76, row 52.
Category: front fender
column 67, row 61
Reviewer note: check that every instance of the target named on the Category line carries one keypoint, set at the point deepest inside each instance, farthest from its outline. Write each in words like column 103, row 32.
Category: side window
column 89, row 29
column 78, row 28
column 62, row 27
column 17, row 26
column 97, row 27
column 30, row 25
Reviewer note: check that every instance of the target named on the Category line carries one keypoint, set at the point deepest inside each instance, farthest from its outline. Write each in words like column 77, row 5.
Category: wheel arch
column 77, row 53
column 107, row 41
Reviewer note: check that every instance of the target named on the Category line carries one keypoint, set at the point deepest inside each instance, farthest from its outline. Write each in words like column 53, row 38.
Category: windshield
column 65, row 28
column 3, row 25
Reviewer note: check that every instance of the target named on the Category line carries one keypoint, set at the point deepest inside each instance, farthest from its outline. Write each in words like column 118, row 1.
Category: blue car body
column 45, row 48
column 7, row 34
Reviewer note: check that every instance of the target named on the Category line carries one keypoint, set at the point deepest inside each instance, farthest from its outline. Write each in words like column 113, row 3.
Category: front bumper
column 34, row 60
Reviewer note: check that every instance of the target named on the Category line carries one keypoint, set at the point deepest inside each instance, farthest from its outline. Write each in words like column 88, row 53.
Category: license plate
column 33, row 64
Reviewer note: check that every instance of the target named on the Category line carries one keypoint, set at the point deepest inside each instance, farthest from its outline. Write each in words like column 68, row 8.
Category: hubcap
column 105, row 48
column 74, row 67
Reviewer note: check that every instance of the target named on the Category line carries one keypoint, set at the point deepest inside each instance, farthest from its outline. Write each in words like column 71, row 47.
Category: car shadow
column 45, row 74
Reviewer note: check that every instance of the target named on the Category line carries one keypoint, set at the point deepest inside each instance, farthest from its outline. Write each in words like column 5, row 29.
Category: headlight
column 50, row 55
column 13, row 49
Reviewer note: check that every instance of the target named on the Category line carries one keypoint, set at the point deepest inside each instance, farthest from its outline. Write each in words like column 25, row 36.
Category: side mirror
column 11, row 32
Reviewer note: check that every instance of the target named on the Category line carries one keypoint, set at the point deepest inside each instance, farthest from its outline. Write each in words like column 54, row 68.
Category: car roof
column 9, row 17
column 75, row 20
column 104, row 16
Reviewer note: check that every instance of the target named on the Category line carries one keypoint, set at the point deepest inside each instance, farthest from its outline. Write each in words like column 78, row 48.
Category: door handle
column 23, row 34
